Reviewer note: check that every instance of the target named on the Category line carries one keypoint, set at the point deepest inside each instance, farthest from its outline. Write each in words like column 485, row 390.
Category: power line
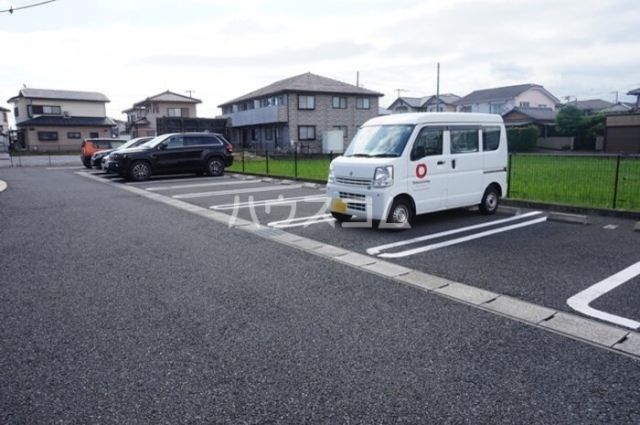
column 11, row 9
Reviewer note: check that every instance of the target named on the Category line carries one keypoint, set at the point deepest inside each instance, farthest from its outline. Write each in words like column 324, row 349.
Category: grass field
column 587, row 181
column 574, row 180
column 313, row 169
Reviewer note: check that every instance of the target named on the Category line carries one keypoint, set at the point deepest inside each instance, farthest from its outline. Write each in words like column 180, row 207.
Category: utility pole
column 190, row 92
column 616, row 93
column 357, row 78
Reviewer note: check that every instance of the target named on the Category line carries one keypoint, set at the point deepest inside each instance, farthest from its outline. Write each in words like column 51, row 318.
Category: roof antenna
column 190, row 92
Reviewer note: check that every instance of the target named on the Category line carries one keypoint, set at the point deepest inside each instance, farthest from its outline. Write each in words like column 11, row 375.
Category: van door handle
column 441, row 162
column 453, row 163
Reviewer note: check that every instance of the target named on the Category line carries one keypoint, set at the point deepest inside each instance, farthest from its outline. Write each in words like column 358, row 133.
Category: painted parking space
column 523, row 256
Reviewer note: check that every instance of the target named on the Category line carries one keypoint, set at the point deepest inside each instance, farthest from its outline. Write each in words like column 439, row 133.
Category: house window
column 401, row 109
column 278, row 134
column 254, row 134
column 94, row 135
column 339, row 102
column 16, row 112
column 306, row 102
column 48, row 136
column 542, row 105
column 344, row 130
column 496, row 108
column 363, row 103
column 174, row 112
column 74, row 135
column 524, row 104
column 45, row 110
column 268, row 133
column 306, row 132
column 465, row 108
column 464, row 140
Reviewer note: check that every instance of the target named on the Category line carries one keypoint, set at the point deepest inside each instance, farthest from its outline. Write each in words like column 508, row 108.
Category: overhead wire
column 27, row 6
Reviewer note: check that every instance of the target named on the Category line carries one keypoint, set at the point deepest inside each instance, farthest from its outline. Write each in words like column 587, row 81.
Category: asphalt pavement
column 118, row 309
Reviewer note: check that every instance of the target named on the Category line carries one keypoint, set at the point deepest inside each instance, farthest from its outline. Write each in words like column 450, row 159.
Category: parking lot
column 525, row 254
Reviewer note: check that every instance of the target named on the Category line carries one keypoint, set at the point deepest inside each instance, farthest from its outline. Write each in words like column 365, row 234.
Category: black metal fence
column 290, row 164
column 597, row 181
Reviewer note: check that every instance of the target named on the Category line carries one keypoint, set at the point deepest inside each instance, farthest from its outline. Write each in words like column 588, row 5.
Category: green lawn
column 563, row 179
column 313, row 169
column 576, row 180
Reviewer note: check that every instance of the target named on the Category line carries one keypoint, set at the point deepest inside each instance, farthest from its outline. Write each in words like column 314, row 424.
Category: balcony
column 267, row 115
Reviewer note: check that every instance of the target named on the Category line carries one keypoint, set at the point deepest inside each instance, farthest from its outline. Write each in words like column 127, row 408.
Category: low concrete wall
column 558, row 143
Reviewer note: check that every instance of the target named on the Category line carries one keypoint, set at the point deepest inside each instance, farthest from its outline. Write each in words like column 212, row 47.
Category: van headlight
column 332, row 176
column 383, row 176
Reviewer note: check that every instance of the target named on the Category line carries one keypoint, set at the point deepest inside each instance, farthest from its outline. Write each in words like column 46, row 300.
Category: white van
column 401, row 165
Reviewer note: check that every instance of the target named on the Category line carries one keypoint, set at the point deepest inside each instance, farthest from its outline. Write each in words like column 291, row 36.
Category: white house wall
column 75, row 109
column 536, row 98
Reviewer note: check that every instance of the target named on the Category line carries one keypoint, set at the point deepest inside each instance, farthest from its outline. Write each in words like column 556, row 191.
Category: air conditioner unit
column 66, row 114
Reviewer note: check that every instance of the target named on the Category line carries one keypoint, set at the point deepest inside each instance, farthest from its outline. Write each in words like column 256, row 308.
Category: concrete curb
column 568, row 218
column 572, row 209
column 3, row 186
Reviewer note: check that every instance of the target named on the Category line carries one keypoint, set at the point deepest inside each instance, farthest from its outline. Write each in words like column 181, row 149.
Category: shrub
column 522, row 139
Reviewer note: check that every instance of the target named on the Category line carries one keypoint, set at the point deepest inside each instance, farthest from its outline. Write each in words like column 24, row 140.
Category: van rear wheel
column 490, row 201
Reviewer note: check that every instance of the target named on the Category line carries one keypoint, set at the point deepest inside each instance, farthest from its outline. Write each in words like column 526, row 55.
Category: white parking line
column 276, row 201
column 192, row 185
column 301, row 221
column 462, row 239
column 376, row 249
column 580, row 302
column 237, row 191
column 177, row 179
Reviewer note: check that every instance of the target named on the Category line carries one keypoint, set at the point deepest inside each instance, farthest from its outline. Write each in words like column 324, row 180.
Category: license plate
column 338, row 205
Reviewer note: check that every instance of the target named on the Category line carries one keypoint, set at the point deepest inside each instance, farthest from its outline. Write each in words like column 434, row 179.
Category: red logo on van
column 421, row 170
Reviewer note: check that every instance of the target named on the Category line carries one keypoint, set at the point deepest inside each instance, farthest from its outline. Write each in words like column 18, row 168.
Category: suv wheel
column 139, row 171
column 215, row 167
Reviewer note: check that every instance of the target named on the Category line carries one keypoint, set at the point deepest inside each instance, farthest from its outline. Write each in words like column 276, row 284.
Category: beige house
column 4, row 128
column 444, row 103
column 49, row 120
column 297, row 111
column 141, row 117
column 500, row 100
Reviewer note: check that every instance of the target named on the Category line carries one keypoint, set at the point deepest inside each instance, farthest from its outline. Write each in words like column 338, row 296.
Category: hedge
column 522, row 139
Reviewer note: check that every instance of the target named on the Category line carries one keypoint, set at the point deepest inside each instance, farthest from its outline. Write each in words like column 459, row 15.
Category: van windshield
column 380, row 141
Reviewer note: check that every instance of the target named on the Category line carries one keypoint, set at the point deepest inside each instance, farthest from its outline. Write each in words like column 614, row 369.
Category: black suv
column 174, row 153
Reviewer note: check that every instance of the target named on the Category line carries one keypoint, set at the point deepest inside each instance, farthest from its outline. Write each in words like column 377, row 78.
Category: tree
column 569, row 120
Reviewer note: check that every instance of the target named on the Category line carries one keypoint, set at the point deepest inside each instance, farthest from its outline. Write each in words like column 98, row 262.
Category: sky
column 222, row 49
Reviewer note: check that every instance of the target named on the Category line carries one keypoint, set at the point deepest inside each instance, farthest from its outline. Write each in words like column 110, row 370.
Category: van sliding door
column 465, row 168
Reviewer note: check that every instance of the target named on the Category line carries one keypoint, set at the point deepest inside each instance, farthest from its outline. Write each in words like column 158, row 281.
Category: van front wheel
column 401, row 214
column 490, row 201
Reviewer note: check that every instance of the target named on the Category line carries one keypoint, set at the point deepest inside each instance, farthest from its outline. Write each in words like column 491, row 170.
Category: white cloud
column 223, row 48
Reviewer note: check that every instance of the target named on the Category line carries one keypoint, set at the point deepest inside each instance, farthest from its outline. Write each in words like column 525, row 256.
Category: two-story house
column 141, row 117
column 4, row 127
column 500, row 100
column 295, row 112
column 444, row 103
column 59, row 119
